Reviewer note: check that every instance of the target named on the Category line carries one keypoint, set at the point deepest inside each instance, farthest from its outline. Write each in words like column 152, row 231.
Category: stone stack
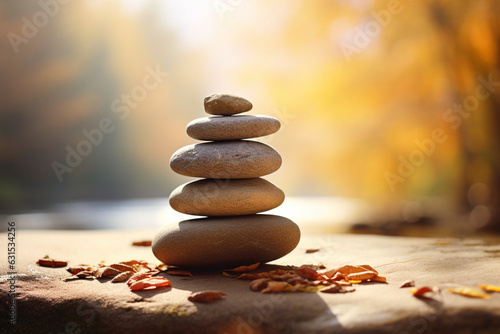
column 230, row 193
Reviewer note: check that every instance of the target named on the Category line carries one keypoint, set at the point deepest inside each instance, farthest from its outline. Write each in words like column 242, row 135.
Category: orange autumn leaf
column 275, row 286
column 421, row 291
column 122, row 267
column 46, row 261
column 206, row 296
column 142, row 243
column 338, row 277
column 106, row 272
column 80, row 268
column 368, row 268
column 150, row 283
column 243, row 269
column 361, row 276
column 122, row 277
column 469, row 292
column 490, row 288
column 378, row 278
column 407, row 284
column 137, row 277
column 308, row 273
column 334, row 288
column 131, row 262
column 352, row 269
column 249, row 277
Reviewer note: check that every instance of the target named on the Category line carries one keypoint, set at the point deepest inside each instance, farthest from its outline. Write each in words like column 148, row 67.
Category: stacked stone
column 231, row 192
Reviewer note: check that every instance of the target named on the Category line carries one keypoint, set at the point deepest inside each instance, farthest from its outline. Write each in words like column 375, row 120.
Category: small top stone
column 226, row 104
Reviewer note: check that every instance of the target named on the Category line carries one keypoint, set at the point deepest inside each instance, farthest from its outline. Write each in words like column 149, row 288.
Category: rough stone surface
column 226, row 104
column 232, row 127
column 226, row 241
column 238, row 159
column 209, row 197
column 46, row 304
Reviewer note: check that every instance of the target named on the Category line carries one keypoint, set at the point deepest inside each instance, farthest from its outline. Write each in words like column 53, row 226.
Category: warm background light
column 358, row 85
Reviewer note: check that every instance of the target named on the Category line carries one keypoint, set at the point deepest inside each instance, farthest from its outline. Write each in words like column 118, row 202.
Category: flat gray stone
column 209, row 197
column 232, row 127
column 226, row 104
column 226, row 241
column 239, row 159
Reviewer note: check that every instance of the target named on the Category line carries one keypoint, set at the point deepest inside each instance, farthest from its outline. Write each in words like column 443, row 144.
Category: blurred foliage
column 356, row 83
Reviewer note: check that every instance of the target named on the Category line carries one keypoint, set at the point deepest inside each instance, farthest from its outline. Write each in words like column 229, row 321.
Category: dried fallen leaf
column 122, row 267
column 150, row 283
column 137, row 277
column 80, row 275
column 490, row 288
column 142, row 243
column 46, row 261
column 421, row 291
column 308, row 273
column 338, row 277
column 206, row 296
column 313, row 266
column 176, row 272
column 362, row 276
column 312, row 250
column 330, row 273
column 249, row 277
column 469, row 292
column 164, row 267
column 122, row 277
column 229, row 275
column 106, row 272
column 275, row 286
column 277, row 272
column 77, row 269
column 378, row 278
column 351, row 269
column 243, row 269
column 369, row 268
column 407, row 284
column 131, row 262
column 259, row 284
column 334, row 288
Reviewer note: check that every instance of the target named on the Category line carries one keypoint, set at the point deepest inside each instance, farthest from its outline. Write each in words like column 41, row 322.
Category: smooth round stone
column 226, row 104
column 226, row 241
column 238, row 159
column 216, row 197
column 232, row 127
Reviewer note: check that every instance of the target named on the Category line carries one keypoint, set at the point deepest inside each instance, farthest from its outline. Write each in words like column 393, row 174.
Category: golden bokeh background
column 360, row 87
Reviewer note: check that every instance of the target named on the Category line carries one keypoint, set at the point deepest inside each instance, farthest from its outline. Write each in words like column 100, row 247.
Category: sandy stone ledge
column 46, row 304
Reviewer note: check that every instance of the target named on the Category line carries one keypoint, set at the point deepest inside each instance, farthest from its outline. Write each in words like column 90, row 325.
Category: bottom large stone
column 226, row 241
